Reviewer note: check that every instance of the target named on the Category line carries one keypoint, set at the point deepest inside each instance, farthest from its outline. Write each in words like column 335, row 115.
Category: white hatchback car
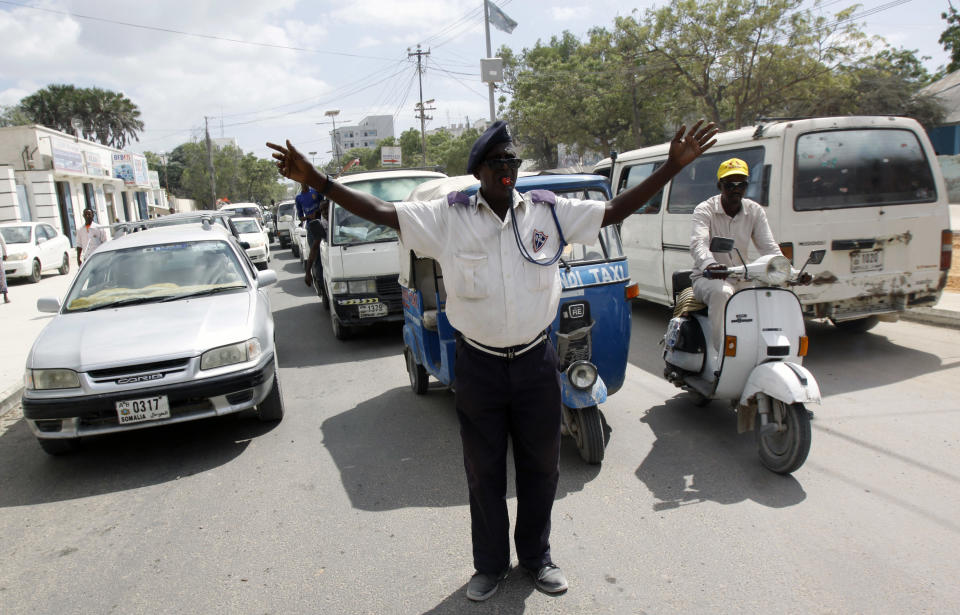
column 32, row 248
column 249, row 232
column 161, row 326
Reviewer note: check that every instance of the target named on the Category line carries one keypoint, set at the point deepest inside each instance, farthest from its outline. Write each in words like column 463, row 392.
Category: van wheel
column 65, row 265
column 34, row 276
column 58, row 447
column 857, row 325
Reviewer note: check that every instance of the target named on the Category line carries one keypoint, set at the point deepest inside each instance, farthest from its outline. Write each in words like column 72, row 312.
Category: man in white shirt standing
column 728, row 215
column 89, row 236
column 503, row 290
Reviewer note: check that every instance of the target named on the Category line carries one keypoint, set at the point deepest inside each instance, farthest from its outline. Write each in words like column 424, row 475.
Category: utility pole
column 213, row 178
column 421, row 111
column 332, row 114
column 486, row 29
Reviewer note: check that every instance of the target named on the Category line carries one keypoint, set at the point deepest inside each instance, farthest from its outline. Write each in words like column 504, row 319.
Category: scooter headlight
column 778, row 270
column 582, row 374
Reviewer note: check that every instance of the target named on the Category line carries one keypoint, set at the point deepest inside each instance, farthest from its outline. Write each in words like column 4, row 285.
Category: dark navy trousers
column 519, row 398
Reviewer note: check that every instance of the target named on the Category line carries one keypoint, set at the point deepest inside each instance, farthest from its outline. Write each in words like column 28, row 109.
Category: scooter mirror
column 721, row 245
column 816, row 257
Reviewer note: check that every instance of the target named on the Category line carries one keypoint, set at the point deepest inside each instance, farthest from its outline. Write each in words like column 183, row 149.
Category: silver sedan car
column 162, row 326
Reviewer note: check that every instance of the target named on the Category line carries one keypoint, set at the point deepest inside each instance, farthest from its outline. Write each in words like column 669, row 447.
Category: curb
column 10, row 398
column 933, row 316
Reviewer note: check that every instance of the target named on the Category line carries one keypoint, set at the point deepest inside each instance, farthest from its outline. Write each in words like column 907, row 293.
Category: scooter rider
column 507, row 383
column 729, row 215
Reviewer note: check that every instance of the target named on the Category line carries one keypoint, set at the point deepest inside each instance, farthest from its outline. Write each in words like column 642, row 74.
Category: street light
column 312, row 154
column 332, row 114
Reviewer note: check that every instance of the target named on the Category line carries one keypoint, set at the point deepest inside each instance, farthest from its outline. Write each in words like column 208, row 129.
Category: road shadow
column 835, row 354
column 120, row 462
column 401, row 450
column 698, row 456
column 510, row 599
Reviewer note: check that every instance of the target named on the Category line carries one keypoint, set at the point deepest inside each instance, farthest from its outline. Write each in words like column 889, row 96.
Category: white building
column 368, row 133
column 50, row 176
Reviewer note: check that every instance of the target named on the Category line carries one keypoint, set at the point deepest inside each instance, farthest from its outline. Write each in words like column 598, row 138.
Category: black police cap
column 495, row 135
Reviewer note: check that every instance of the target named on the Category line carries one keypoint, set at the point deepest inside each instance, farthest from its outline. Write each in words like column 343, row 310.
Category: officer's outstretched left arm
column 684, row 149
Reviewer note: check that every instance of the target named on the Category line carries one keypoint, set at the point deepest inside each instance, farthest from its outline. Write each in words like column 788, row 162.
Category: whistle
column 506, row 181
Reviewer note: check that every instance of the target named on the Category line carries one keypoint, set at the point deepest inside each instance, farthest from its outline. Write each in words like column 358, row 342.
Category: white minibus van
column 867, row 189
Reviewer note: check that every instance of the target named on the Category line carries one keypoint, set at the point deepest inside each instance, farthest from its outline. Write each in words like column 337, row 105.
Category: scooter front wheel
column 784, row 450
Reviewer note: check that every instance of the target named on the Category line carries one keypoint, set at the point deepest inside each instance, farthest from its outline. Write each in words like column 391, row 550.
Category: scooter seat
column 430, row 320
column 687, row 303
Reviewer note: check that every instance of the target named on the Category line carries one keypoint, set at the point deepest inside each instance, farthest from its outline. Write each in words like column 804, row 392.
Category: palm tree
column 108, row 117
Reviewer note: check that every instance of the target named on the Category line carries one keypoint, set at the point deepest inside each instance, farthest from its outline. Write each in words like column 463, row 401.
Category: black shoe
column 549, row 579
column 482, row 585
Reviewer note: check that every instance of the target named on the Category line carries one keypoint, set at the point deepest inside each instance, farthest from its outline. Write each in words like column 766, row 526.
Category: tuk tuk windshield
column 607, row 248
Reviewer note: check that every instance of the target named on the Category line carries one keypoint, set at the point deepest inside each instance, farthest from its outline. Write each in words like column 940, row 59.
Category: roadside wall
column 950, row 166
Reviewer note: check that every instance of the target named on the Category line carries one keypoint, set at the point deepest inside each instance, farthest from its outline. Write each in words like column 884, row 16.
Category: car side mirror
column 49, row 305
column 721, row 245
column 816, row 257
column 245, row 245
column 41, row 240
column 266, row 277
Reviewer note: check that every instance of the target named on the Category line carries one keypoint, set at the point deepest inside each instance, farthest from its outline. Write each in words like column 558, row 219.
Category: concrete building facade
column 369, row 132
column 50, row 176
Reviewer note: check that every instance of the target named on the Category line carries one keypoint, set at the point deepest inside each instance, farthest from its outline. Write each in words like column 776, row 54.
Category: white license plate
column 869, row 260
column 371, row 310
column 146, row 409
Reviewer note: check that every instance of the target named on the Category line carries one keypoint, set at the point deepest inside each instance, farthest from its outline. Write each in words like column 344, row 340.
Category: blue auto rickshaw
column 591, row 330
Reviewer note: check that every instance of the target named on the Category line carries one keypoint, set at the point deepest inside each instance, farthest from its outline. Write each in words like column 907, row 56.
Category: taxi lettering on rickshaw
column 588, row 276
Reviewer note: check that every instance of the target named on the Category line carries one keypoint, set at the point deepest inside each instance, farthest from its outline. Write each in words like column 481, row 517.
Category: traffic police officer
column 503, row 290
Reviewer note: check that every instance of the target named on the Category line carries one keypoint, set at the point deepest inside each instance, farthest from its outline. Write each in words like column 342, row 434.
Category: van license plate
column 869, row 260
column 372, row 310
column 146, row 409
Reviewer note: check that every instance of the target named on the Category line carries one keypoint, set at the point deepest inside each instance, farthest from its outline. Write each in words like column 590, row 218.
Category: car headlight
column 18, row 256
column 339, row 288
column 778, row 270
column 45, row 379
column 582, row 374
column 240, row 352
column 358, row 287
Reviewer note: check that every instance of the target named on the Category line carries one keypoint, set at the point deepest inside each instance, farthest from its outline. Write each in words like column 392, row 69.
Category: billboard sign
column 66, row 156
column 390, row 156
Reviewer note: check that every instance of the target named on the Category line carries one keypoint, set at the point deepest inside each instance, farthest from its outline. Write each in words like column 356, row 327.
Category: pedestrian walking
column 3, row 273
column 503, row 290
column 90, row 236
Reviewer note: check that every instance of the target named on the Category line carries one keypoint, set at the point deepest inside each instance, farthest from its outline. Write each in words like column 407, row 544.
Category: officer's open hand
column 687, row 145
column 291, row 164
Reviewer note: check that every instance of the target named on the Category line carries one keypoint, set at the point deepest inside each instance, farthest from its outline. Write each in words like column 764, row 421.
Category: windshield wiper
column 122, row 302
column 202, row 293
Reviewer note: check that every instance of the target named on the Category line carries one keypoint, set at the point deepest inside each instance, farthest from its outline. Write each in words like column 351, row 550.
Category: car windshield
column 146, row 274
column 349, row 228
column 246, row 226
column 16, row 234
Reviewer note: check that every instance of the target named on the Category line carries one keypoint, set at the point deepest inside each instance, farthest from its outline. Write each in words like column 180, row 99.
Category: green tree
column 107, row 117
column 13, row 115
column 950, row 38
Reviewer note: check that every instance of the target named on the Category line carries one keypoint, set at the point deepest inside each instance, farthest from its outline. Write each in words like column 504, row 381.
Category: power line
column 193, row 34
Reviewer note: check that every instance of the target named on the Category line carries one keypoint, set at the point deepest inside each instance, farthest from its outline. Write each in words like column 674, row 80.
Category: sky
column 259, row 71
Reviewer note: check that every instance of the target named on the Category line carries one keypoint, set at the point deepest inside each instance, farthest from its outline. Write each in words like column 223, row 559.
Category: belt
column 510, row 352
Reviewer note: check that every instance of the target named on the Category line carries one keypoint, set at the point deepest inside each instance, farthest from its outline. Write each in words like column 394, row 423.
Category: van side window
column 698, row 180
column 634, row 176
column 839, row 169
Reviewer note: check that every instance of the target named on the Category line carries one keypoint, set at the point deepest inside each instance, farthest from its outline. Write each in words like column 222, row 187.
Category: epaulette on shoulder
column 543, row 196
column 458, row 198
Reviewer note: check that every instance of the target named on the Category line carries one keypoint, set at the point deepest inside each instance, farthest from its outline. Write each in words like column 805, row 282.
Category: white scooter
column 759, row 369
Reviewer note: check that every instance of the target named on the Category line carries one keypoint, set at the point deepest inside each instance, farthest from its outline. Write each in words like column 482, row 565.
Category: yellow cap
column 733, row 166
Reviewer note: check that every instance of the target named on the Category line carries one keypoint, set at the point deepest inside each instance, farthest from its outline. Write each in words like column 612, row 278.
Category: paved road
column 356, row 502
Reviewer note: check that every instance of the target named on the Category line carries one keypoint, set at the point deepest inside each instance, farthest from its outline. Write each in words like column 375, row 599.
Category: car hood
column 143, row 333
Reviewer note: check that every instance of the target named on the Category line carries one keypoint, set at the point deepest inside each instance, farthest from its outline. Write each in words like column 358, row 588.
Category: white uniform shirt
column 88, row 240
column 494, row 295
column 709, row 220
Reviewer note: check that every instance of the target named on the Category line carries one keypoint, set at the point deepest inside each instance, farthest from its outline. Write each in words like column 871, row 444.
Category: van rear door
column 870, row 197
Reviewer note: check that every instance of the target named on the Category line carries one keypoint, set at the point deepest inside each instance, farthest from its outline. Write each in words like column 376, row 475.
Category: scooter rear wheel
column 784, row 452
column 419, row 380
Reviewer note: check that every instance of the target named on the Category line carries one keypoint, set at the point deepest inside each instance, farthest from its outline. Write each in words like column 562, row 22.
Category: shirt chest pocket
column 538, row 277
column 472, row 273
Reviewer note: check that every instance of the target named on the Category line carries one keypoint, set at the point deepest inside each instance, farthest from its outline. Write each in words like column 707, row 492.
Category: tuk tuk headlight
column 46, row 379
column 778, row 270
column 582, row 374
column 362, row 287
column 240, row 352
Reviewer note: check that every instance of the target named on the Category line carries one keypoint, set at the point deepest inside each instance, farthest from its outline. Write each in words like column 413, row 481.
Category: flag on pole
column 499, row 19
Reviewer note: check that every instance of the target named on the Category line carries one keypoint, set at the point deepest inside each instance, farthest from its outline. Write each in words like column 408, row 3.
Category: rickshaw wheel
column 418, row 375
column 588, row 433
